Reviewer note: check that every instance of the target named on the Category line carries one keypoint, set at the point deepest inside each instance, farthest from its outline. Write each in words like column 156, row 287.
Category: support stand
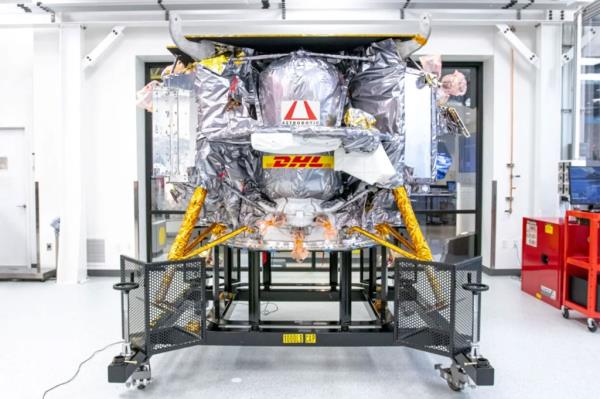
column 172, row 316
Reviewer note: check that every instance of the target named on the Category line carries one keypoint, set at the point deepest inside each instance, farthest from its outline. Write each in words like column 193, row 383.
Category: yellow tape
column 297, row 161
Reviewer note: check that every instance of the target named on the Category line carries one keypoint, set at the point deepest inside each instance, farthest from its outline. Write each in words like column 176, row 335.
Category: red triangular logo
column 296, row 115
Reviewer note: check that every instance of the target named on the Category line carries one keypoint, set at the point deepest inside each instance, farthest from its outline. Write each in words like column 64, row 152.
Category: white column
column 47, row 134
column 547, row 134
column 72, row 263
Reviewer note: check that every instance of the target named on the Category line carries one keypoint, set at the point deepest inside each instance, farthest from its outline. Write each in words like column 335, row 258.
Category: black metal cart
column 428, row 306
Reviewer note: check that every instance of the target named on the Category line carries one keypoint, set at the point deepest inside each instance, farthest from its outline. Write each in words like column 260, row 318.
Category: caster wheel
column 141, row 386
column 454, row 387
column 565, row 312
column 592, row 325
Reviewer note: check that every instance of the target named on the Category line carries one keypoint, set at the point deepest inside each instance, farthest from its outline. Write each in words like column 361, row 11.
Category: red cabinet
column 542, row 259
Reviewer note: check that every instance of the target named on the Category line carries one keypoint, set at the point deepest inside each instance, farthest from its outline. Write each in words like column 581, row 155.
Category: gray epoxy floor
column 47, row 330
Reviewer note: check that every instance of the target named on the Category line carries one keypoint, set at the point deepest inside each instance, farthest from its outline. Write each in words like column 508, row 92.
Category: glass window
column 589, row 81
column 451, row 206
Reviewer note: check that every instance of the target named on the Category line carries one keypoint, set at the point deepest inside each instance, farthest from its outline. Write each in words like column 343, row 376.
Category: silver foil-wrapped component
column 296, row 84
column 183, row 81
column 379, row 89
column 352, row 139
column 317, row 183
column 219, row 106
column 256, row 110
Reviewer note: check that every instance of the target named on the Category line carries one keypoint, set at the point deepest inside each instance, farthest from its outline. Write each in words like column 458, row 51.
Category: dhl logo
column 297, row 161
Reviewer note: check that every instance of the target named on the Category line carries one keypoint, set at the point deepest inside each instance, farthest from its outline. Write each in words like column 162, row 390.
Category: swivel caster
column 456, row 388
column 455, row 376
column 141, row 377
column 592, row 325
column 565, row 312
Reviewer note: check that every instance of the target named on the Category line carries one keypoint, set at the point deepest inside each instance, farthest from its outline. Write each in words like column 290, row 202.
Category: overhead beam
column 183, row 5
column 518, row 45
column 589, row 33
column 153, row 12
column 94, row 56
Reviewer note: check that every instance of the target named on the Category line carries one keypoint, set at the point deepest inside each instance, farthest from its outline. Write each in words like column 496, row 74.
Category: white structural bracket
column 106, row 43
column 518, row 45
column 590, row 33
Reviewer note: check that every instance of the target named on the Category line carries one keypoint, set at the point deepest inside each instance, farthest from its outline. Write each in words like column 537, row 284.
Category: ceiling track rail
column 183, row 5
column 157, row 12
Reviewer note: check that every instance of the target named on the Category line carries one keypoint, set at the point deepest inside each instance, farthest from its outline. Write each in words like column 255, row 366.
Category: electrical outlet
column 504, row 244
column 48, row 246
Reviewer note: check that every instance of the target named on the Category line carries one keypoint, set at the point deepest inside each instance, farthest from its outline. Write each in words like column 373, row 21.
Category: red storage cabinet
column 542, row 259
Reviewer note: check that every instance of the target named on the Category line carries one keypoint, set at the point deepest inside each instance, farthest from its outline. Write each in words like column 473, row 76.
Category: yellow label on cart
column 298, row 339
column 549, row 229
column 297, row 161
column 293, row 338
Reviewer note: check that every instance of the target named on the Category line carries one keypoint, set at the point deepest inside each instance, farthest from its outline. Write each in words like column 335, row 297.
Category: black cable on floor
column 79, row 368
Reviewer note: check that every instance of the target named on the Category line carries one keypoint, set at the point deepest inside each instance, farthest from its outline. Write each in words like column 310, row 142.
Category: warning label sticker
column 549, row 292
column 300, row 112
column 531, row 233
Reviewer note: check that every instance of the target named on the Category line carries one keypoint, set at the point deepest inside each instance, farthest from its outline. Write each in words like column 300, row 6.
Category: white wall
column 16, row 72
column 536, row 128
column 46, row 114
column 485, row 44
column 16, row 68
column 111, row 126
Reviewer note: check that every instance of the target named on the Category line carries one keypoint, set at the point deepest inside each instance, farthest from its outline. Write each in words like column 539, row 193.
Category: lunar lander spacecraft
column 303, row 143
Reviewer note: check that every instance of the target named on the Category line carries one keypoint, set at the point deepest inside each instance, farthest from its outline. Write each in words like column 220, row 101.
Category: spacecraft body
column 298, row 147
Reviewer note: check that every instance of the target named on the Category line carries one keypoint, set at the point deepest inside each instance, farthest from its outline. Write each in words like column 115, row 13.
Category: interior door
column 14, row 178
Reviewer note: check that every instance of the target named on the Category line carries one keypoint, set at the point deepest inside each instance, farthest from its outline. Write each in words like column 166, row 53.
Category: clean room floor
column 47, row 330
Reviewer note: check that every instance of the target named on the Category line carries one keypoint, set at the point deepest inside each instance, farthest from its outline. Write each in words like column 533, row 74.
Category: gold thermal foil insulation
column 383, row 242
column 411, row 224
column 416, row 236
column 217, row 241
column 190, row 218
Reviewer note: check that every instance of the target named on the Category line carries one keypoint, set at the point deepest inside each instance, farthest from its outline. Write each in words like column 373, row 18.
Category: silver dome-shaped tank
column 300, row 89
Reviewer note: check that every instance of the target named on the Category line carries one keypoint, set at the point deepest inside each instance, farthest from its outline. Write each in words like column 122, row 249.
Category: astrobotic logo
column 306, row 114
column 297, row 161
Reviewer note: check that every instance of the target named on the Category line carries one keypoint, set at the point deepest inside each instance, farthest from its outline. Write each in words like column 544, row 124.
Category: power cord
column 266, row 310
column 516, row 247
column 79, row 368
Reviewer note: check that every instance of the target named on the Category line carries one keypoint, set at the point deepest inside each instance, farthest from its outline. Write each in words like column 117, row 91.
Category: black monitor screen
column 584, row 185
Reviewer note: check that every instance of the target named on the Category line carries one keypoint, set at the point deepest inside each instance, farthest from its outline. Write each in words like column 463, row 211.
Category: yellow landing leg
column 418, row 247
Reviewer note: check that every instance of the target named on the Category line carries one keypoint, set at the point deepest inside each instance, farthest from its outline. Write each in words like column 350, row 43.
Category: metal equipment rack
column 173, row 305
column 581, row 285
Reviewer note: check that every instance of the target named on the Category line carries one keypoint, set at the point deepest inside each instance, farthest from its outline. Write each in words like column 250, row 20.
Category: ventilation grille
column 96, row 250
